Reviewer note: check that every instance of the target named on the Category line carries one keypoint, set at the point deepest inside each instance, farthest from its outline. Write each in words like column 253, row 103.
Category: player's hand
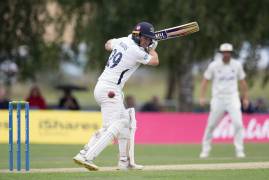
column 153, row 45
column 245, row 103
column 202, row 101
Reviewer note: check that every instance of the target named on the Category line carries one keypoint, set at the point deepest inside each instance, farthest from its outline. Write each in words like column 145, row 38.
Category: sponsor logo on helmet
column 138, row 28
column 152, row 29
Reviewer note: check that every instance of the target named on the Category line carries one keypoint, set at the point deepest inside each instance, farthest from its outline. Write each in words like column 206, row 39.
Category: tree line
column 95, row 21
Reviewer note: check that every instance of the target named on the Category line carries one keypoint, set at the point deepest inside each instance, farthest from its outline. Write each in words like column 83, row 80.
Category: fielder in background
column 127, row 54
column 225, row 75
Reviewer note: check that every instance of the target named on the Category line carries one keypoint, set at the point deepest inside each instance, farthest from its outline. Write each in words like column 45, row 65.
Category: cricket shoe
column 136, row 167
column 125, row 165
column 79, row 159
column 204, row 154
column 240, row 154
column 90, row 165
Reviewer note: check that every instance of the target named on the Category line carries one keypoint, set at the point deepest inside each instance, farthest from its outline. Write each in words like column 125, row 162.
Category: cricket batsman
column 127, row 54
column 225, row 75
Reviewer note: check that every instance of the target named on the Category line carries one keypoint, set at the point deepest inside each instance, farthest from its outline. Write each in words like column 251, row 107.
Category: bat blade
column 177, row 31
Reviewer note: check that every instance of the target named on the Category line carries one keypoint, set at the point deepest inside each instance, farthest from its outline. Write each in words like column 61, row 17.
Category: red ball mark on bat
column 111, row 94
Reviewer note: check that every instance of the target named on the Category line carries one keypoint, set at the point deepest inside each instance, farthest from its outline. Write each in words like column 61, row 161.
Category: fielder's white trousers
column 218, row 107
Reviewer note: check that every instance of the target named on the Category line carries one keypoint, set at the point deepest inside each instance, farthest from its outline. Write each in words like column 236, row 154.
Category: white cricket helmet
column 226, row 47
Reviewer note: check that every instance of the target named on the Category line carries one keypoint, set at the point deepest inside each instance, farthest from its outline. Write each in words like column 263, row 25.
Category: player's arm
column 148, row 56
column 243, row 86
column 108, row 45
column 204, row 85
column 154, row 61
column 208, row 75
column 244, row 92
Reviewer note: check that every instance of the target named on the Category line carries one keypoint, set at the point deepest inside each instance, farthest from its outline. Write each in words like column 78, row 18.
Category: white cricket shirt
column 125, row 58
column 225, row 78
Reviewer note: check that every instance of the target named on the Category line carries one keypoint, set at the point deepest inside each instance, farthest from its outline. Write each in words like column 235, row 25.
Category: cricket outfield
column 161, row 162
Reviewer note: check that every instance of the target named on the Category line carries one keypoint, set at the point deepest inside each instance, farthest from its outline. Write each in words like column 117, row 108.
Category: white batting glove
column 154, row 44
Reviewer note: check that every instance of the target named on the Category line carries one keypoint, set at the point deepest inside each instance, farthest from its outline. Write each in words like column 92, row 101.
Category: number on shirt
column 114, row 58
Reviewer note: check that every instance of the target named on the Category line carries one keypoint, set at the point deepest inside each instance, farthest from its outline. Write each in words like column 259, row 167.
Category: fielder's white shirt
column 125, row 58
column 225, row 78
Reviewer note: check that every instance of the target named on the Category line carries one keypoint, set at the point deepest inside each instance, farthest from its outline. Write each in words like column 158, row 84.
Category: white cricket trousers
column 218, row 107
column 114, row 116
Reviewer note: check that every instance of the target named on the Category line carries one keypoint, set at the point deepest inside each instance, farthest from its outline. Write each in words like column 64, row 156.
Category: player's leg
column 123, row 141
column 234, row 110
column 101, row 143
column 111, row 113
column 94, row 138
column 111, row 133
column 216, row 112
column 126, row 142
column 100, row 96
column 80, row 157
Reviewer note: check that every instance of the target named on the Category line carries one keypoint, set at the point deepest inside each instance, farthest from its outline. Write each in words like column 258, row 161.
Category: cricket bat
column 177, row 31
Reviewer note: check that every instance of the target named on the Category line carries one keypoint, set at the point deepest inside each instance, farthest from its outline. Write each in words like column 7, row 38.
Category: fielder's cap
column 145, row 29
column 226, row 47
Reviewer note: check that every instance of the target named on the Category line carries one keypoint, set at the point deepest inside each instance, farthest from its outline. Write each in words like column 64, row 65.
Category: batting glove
column 154, row 44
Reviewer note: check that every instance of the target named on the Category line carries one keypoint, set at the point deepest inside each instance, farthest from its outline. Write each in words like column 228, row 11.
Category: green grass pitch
column 60, row 156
